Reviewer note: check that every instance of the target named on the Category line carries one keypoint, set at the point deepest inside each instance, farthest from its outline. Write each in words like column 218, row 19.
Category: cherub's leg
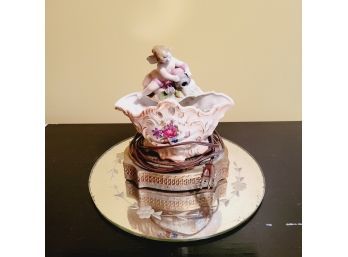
column 150, row 88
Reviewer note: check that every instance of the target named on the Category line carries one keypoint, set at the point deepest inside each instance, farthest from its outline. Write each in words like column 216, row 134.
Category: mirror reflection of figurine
column 170, row 77
column 175, row 215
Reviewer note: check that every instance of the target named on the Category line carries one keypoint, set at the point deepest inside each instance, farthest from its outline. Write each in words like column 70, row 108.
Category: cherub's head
column 161, row 54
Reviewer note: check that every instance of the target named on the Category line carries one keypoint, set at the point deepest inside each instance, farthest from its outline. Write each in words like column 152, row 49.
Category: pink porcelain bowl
column 169, row 122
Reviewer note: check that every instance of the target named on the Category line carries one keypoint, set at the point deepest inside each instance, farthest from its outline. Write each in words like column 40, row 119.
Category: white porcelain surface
column 194, row 118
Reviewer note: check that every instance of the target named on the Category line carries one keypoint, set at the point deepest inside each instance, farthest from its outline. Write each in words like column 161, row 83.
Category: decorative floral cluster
column 169, row 131
column 168, row 87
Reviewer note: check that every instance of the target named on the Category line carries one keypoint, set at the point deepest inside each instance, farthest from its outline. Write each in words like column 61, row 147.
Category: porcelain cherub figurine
column 171, row 78
column 171, row 111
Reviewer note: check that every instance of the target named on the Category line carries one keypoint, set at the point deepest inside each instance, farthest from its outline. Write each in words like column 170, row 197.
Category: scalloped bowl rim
column 176, row 103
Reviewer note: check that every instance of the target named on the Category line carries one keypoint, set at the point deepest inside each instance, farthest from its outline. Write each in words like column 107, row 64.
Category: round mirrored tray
column 177, row 216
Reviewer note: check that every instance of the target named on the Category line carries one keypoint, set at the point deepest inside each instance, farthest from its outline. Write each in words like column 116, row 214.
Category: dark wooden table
column 74, row 226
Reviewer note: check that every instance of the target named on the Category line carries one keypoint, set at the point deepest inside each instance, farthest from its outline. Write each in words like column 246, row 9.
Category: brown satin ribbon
column 146, row 158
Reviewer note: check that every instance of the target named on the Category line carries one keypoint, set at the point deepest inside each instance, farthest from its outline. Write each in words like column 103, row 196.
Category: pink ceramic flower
column 170, row 130
column 169, row 133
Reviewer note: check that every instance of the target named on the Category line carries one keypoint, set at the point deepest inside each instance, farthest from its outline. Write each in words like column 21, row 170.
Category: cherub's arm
column 183, row 65
column 165, row 74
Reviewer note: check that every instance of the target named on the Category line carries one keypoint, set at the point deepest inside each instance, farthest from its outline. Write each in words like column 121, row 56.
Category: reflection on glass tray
column 175, row 214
